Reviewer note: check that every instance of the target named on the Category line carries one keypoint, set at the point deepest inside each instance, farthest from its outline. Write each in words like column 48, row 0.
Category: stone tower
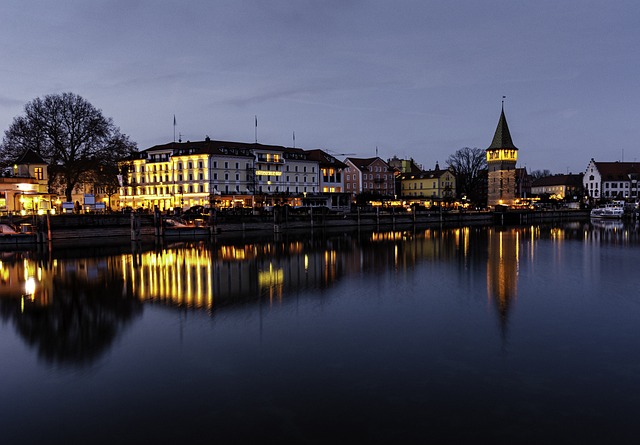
column 501, row 162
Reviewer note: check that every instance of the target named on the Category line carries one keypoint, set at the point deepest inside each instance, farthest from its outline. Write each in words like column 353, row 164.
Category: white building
column 612, row 180
column 227, row 174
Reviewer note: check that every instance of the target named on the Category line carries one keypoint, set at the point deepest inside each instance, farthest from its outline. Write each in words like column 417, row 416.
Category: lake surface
column 509, row 335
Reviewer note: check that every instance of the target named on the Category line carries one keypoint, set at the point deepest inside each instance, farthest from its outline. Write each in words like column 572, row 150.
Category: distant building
column 502, row 156
column 434, row 184
column 560, row 187
column 24, row 188
column 523, row 183
column 404, row 165
column 400, row 166
column 612, row 180
column 369, row 175
column 331, row 180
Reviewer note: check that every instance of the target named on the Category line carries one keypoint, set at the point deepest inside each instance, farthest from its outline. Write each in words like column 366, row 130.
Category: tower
column 501, row 163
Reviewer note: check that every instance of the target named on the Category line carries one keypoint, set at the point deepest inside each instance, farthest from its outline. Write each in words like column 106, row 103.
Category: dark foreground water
column 473, row 335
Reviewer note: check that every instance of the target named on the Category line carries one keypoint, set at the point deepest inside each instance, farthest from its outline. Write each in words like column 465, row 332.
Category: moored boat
column 613, row 210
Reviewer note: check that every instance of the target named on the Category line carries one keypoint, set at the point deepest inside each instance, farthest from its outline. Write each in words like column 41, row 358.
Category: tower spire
column 502, row 136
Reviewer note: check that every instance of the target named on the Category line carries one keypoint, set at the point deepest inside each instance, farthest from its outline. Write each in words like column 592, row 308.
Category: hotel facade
column 229, row 174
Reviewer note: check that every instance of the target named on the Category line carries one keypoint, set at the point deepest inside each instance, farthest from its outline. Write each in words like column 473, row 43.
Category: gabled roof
column 30, row 157
column 502, row 136
column 611, row 171
column 364, row 163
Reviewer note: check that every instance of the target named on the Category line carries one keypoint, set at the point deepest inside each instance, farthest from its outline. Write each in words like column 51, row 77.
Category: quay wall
column 120, row 227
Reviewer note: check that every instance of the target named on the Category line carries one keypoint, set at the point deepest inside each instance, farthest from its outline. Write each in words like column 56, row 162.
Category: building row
column 226, row 174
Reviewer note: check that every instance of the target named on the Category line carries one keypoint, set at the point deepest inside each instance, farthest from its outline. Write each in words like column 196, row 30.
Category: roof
column 502, row 136
column 209, row 146
column 29, row 157
column 426, row 174
column 364, row 163
column 567, row 180
column 611, row 171
column 324, row 159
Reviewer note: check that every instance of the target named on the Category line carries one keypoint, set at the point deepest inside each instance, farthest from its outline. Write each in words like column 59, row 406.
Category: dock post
column 135, row 227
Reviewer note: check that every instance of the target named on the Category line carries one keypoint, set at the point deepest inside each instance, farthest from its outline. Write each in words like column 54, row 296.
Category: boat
column 614, row 210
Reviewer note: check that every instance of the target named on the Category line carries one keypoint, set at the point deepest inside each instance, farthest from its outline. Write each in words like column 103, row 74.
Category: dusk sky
column 417, row 79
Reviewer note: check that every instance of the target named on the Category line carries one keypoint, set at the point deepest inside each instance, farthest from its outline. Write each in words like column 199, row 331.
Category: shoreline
column 88, row 230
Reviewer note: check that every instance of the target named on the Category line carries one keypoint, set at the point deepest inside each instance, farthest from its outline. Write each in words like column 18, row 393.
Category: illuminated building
column 559, row 186
column 331, row 181
column 502, row 156
column 432, row 184
column 25, row 188
column 227, row 174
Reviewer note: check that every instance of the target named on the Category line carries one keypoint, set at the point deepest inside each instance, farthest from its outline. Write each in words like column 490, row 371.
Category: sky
column 414, row 79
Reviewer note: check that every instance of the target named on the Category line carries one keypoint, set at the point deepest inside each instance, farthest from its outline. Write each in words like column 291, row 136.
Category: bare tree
column 70, row 134
column 537, row 174
column 467, row 165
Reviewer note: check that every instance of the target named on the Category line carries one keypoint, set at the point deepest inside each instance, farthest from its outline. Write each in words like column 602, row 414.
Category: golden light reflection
column 502, row 270
column 30, row 287
column 180, row 277
column 271, row 277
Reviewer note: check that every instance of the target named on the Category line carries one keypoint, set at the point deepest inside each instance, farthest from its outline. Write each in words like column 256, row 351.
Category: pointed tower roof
column 502, row 137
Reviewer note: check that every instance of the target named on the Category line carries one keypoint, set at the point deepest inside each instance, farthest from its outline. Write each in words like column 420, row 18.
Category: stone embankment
column 115, row 227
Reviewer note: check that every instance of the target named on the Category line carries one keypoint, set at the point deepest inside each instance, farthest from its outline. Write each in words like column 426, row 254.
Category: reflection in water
column 502, row 270
column 71, row 310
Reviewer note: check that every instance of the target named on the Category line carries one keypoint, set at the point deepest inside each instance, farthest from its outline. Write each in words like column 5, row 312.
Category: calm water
column 515, row 335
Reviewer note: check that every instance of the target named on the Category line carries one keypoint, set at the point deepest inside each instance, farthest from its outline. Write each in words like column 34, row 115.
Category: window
column 215, row 164
column 226, row 164
column 237, row 165
column 38, row 172
column 199, row 164
column 190, row 165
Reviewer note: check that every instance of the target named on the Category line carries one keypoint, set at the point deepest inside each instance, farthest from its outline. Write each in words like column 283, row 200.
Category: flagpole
column 256, row 130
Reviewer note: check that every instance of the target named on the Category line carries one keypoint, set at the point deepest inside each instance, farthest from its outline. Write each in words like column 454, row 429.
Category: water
column 509, row 335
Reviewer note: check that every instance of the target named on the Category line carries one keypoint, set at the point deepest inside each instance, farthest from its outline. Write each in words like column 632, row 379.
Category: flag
column 174, row 120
